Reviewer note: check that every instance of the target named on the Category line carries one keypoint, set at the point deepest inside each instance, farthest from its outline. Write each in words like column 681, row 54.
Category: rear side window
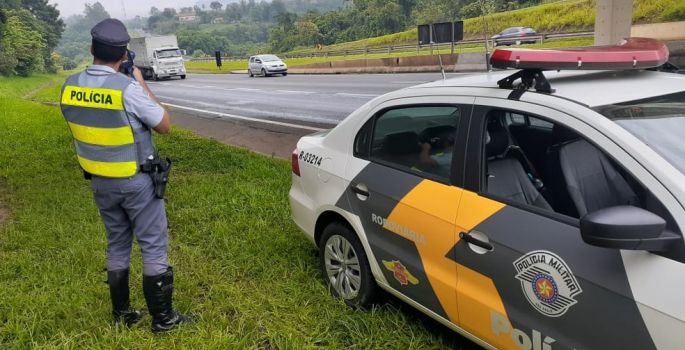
column 418, row 139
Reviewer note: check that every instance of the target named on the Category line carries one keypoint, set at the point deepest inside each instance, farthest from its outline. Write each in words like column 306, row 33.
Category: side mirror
column 258, row 61
column 626, row 227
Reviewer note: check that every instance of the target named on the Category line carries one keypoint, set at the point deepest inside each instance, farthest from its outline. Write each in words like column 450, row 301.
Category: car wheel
column 264, row 73
column 285, row 74
column 249, row 73
column 345, row 267
column 155, row 77
column 518, row 42
column 183, row 76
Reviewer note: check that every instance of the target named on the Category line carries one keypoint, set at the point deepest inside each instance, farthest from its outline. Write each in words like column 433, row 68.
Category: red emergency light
column 632, row 53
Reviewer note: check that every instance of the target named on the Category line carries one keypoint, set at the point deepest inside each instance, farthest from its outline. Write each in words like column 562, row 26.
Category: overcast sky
column 114, row 7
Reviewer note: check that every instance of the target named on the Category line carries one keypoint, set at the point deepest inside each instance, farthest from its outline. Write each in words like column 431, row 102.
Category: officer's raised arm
column 164, row 125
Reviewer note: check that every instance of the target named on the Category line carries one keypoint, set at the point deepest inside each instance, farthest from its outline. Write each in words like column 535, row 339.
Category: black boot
column 118, row 290
column 158, row 294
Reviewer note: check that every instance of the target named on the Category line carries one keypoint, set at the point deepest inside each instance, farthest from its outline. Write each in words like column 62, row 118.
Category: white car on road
column 266, row 65
column 524, row 209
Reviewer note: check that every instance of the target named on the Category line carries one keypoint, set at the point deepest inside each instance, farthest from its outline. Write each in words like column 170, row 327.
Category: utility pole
column 123, row 9
column 484, row 12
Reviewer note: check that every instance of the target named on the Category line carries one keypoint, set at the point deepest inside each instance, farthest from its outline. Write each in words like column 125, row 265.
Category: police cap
column 110, row 32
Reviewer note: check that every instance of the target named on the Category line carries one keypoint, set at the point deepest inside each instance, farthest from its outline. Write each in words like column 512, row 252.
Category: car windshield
column 169, row 53
column 269, row 58
column 659, row 122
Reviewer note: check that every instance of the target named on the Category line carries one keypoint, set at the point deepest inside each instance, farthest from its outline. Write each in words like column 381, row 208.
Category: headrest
column 401, row 143
column 499, row 135
column 563, row 134
column 498, row 144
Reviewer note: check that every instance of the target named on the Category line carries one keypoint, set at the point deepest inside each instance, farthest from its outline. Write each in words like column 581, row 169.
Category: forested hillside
column 246, row 26
column 29, row 31
column 280, row 25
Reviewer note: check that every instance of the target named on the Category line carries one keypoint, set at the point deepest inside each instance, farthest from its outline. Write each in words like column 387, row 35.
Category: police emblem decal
column 400, row 272
column 547, row 282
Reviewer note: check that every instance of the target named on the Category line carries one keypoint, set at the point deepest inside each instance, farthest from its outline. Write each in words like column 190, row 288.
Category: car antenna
column 442, row 69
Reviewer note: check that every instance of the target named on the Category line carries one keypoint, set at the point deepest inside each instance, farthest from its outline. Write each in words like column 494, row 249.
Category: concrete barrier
column 470, row 62
column 677, row 53
column 465, row 62
column 380, row 65
column 663, row 31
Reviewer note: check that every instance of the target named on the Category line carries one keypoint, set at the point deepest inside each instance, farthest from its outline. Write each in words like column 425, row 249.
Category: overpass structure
column 613, row 21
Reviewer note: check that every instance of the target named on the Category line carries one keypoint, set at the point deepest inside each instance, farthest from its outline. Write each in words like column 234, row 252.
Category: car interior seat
column 401, row 148
column 506, row 176
column 554, row 178
column 591, row 180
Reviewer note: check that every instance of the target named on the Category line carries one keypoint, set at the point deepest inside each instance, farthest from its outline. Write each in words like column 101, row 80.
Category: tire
column 264, row 74
column 249, row 73
column 285, row 74
column 155, row 77
column 183, row 76
column 518, row 42
column 339, row 248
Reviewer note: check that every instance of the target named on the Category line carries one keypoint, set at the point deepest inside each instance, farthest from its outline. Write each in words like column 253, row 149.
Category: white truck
column 158, row 56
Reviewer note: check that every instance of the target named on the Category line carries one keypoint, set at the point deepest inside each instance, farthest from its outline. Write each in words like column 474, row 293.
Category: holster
column 158, row 170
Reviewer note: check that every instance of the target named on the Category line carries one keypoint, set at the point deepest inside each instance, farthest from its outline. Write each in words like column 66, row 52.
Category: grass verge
column 241, row 263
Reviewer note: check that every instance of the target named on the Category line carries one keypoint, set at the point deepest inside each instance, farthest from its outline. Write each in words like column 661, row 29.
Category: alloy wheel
column 342, row 267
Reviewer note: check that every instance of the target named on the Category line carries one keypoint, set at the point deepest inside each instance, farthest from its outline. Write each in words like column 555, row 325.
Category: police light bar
column 632, row 53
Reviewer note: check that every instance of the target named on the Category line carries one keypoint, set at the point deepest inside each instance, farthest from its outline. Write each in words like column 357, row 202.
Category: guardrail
column 416, row 47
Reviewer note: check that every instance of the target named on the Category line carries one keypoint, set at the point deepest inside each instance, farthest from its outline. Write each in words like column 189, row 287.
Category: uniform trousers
column 129, row 208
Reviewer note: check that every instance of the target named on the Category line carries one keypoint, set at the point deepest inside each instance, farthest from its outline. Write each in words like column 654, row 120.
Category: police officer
column 110, row 116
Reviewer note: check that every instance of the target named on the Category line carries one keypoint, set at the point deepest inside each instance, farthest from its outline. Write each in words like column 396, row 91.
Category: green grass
column 228, row 66
column 241, row 263
column 561, row 16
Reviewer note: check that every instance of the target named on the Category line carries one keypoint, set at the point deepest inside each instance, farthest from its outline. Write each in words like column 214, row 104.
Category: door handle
column 360, row 189
column 475, row 241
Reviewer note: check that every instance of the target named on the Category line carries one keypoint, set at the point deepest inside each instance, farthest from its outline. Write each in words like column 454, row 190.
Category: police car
column 536, row 208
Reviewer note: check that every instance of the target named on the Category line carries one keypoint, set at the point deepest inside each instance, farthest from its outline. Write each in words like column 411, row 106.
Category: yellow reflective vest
column 106, row 145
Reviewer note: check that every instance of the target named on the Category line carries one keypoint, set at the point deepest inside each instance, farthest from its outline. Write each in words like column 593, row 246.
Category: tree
column 28, row 17
column 435, row 11
column 163, row 22
column 216, row 6
column 95, row 13
column 21, row 40
column 76, row 38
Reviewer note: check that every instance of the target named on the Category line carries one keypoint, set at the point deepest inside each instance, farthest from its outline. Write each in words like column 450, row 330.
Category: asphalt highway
column 313, row 100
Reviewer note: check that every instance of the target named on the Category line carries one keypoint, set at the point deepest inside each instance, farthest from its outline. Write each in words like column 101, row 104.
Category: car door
column 407, row 204
column 250, row 64
column 537, row 284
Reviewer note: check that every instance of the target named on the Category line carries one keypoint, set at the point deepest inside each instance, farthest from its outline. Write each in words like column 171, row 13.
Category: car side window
column 418, row 139
column 548, row 166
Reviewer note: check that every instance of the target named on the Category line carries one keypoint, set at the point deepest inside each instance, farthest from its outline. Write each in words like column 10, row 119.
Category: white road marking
column 239, row 117
column 355, row 95
column 295, row 92
column 410, row 82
